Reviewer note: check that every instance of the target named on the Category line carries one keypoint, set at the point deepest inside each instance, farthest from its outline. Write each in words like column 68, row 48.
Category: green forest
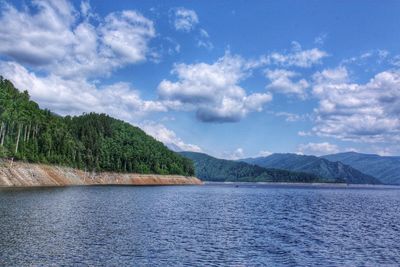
column 220, row 170
column 91, row 142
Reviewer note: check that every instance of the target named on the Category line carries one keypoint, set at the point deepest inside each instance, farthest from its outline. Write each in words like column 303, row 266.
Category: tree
column 94, row 142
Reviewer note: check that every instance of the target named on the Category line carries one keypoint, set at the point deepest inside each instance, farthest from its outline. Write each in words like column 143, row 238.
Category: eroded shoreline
column 22, row 174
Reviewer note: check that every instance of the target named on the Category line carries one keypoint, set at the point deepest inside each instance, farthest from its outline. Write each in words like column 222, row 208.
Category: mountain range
column 277, row 168
column 385, row 168
column 209, row 168
column 328, row 170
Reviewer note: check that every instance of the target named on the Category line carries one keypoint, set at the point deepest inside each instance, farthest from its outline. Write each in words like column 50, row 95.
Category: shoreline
column 288, row 184
column 23, row 174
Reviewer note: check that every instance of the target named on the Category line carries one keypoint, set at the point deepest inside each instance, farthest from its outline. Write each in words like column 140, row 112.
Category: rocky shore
column 21, row 174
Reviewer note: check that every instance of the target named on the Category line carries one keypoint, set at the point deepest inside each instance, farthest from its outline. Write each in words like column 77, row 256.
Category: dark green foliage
column 386, row 169
column 330, row 171
column 93, row 142
column 219, row 170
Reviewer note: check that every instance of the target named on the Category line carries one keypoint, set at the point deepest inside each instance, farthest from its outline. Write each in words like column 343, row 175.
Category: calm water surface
column 200, row 225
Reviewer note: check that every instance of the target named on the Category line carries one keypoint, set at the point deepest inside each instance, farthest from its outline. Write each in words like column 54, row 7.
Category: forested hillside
column 212, row 169
column 330, row 171
column 93, row 142
column 385, row 168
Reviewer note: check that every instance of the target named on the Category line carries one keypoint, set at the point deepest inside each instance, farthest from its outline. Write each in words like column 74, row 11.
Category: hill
column 386, row 169
column 219, row 170
column 329, row 171
column 94, row 142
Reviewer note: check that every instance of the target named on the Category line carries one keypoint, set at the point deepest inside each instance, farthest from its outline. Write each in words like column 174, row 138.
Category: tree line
column 92, row 142
column 220, row 170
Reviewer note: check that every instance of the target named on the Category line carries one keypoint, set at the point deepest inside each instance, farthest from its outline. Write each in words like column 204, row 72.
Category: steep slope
column 212, row 169
column 330, row 171
column 386, row 169
column 93, row 142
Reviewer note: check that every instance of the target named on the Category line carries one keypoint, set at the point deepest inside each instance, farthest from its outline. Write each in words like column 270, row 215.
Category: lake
column 249, row 225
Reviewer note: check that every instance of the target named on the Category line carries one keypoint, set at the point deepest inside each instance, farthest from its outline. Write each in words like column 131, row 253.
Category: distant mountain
column 212, row 169
column 386, row 169
column 329, row 171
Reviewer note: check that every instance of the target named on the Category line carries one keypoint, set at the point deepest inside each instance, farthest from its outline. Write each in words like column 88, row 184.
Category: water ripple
column 197, row 226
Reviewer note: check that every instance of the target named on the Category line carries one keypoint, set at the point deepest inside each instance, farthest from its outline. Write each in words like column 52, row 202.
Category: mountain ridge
column 384, row 168
column 332, row 171
column 213, row 169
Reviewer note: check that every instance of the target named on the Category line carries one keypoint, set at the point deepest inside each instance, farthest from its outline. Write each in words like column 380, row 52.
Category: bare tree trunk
column 25, row 128
column 1, row 132
column 33, row 132
column 29, row 132
column 3, row 136
column 19, row 134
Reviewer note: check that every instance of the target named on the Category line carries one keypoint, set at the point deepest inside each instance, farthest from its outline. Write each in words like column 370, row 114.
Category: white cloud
column 303, row 133
column 337, row 75
column 204, row 40
column 264, row 153
column 298, row 57
column 281, row 82
column 185, row 19
column 37, row 37
column 173, row 47
column 85, row 8
column 168, row 137
column 317, row 148
column 213, row 90
column 395, row 61
column 320, row 39
column 369, row 59
column 74, row 96
column 49, row 36
column 358, row 112
column 291, row 117
column 127, row 34
column 385, row 151
column 235, row 155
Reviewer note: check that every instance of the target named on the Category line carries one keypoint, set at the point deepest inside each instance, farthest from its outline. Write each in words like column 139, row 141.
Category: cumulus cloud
column 50, row 36
column 168, row 137
column 213, row 90
column 36, row 38
column 74, row 96
column 317, row 148
column 127, row 34
column 334, row 76
column 281, row 81
column 185, row 19
column 366, row 112
column 297, row 57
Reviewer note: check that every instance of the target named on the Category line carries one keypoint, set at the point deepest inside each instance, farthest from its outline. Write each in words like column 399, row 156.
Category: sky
column 233, row 79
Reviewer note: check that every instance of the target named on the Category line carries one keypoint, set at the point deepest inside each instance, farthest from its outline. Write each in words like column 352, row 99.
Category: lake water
column 200, row 225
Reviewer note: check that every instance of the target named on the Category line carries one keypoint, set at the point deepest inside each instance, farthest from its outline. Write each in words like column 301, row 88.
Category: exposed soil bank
column 20, row 174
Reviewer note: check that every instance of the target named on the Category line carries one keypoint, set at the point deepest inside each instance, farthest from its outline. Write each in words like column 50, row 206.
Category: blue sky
column 229, row 78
